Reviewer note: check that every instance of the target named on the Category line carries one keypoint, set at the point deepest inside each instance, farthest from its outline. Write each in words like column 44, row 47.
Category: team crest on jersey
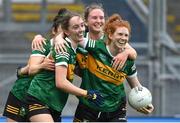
column 82, row 60
column 70, row 72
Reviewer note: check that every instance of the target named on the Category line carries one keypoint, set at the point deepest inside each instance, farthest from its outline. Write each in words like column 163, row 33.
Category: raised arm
column 59, row 43
column 132, row 54
column 37, row 43
column 121, row 58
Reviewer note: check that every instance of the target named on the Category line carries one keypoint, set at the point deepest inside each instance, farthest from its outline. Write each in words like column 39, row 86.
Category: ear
column 110, row 36
column 53, row 31
column 59, row 29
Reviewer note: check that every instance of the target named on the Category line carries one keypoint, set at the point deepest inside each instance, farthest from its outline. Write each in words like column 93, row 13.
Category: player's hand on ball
column 140, row 97
column 95, row 97
column 146, row 110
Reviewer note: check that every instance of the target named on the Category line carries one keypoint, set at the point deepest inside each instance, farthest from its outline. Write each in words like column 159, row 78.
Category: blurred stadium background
column 155, row 36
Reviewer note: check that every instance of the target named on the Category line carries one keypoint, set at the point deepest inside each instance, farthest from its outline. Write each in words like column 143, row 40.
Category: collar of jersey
column 70, row 44
column 109, row 50
column 51, row 41
column 87, row 36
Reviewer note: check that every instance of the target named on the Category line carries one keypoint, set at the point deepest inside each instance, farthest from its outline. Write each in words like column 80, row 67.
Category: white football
column 139, row 98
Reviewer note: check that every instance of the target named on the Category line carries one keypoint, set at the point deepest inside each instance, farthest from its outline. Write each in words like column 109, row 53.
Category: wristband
column 18, row 71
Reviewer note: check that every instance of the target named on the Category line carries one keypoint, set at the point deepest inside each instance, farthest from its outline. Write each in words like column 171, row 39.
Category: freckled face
column 120, row 37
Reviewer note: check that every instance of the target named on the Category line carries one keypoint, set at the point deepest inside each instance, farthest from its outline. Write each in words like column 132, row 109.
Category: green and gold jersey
column 43, row 85
column 83, row 53
column 101, row 76
column 21, row 86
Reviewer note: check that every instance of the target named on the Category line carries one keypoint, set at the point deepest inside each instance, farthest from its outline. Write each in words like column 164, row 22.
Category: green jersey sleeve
column 131, row 68
column 62, row 58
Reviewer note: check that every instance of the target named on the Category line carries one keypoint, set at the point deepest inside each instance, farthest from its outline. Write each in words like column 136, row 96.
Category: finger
column 150, row 106
column 49, row 60
column 66, row 44
column 62, row 50
column 51, row 69
column 120, row 66
column 115, row 63
column 146, row 110
column 52, row 62
column 58, row 50
column 149, row 109
column 42, row 48
column 64, row 47
column 143, row 110
column 44, row 41
column 32, row 46
column 38, row 47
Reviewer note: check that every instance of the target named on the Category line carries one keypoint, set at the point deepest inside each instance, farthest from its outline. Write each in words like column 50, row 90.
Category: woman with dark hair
column 48, row 92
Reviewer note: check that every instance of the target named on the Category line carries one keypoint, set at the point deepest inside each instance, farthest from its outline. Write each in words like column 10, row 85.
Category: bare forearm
column 23, row 70
column 132, row 54
column 34, row 69
column 133, row 81
column 72, row 89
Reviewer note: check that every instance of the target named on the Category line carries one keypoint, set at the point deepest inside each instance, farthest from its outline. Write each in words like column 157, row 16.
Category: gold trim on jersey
column 105, row 72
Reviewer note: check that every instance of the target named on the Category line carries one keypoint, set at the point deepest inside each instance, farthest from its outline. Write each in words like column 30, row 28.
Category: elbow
column 60, row 85
column 134, row 56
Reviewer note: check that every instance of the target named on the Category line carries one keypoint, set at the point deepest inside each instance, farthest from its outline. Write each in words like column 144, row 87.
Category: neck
column 114, row 50
column 95, row 36
column 73, row 43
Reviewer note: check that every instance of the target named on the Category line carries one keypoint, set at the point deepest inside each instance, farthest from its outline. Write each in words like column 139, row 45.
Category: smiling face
column 96, row 20
column 76, row 29
column 120, row 37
